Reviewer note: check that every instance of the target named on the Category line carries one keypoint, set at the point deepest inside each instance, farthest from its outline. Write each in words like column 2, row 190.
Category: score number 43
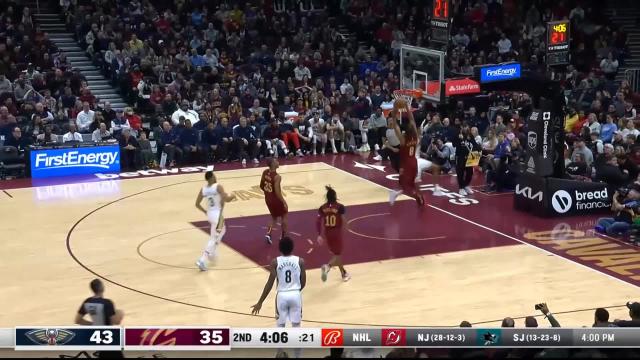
column 102, row 337
column 211, row 337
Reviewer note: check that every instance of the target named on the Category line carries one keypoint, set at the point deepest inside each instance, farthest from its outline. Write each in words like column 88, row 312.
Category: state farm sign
column 461, row 87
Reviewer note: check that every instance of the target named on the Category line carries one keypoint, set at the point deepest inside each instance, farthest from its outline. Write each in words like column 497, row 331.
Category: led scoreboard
column 441, row 21
column 558, row 35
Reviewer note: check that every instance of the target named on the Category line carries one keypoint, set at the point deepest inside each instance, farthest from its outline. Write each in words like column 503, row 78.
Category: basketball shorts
column 334, row 241
column 288, row 307
column 407, row 178
column 276, row 207
column 216, row 220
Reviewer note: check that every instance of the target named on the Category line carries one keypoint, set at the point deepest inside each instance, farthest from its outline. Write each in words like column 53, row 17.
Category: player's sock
column 393, row 195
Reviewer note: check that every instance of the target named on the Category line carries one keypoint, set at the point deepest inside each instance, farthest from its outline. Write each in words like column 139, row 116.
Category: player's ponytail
column 331, row 194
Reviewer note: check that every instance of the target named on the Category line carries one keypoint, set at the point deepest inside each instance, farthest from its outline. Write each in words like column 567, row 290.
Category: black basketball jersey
column 101, row 310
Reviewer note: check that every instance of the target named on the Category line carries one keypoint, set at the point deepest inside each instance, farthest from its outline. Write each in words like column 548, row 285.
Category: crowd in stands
column 224, row 81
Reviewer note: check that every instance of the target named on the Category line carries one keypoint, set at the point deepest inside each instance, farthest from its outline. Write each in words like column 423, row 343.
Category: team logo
column 489, row 338
column 561, row 201
column 332, row 337
column 50, row 337
column 158, row 337
column 394, row 337
column 532, row 140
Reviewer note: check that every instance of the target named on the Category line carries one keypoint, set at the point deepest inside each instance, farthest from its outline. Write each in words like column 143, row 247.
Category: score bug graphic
column 394, row 337
column 177, row 338
column 332, row 337
column 68, row 338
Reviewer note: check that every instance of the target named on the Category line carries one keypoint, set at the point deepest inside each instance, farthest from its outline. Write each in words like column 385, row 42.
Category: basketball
column 400, row 103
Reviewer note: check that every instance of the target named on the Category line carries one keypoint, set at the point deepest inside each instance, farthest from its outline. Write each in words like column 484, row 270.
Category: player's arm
column 396, row 127
column 80, row 317
column 303, row 274
column 262, row 183
column 255, row 309
column 199, row 202
column 412, row 120
column 319, row 225
column 225, row 197
column 276, row 184
column 115, row 316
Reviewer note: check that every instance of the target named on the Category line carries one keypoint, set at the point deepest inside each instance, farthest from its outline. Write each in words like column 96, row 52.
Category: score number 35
column 211, row 337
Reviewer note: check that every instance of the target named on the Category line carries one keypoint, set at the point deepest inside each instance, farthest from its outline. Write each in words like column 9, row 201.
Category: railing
column 633, row 76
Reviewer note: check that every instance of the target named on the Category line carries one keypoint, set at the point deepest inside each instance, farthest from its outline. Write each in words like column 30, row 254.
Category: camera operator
column 440, row 154
column 624, row 208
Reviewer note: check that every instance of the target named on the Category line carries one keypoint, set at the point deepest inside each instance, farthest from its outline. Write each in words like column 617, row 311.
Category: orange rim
column 414, row 93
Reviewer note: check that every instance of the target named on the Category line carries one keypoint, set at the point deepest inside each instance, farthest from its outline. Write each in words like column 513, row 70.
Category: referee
column 102, row 313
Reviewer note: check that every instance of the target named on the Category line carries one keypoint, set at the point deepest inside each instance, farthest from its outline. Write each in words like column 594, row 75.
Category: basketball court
column 461, row 258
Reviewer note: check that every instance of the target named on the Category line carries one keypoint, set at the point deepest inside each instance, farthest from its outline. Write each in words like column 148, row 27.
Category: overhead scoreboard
column 441, row 21
column 158, row 338
column 558, row 36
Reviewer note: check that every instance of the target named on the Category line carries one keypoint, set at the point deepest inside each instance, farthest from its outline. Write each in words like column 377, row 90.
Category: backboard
column 422, row 68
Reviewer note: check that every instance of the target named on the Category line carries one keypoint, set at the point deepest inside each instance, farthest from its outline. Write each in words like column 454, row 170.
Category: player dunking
column 270, row 185
column 329, row 223
column 292, row 277
column 408, row 146
column 216, row 198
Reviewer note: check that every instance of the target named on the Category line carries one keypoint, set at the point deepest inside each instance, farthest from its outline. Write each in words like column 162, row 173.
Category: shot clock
column 558, row 36
column 441, row 21
column 275, row 338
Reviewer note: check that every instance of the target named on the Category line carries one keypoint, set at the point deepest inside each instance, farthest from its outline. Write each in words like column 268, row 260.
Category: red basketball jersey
column 331, row 215
column 408, row 150
column 267, row 184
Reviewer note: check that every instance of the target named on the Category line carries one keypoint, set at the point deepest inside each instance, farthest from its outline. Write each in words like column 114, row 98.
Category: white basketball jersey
column 288, row 272
column 214, row 200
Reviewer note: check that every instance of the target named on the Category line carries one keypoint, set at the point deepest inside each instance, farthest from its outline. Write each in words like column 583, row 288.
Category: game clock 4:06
column 558, row 35
column 274, row 337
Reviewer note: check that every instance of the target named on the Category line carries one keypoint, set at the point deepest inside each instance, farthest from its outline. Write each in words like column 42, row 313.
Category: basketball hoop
column 407, row 94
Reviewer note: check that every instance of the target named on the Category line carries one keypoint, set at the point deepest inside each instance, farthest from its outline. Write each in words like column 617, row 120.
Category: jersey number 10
column 330, row 221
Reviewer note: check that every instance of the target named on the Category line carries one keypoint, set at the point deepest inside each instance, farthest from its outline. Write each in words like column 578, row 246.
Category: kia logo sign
column 500, row 72
column 461, row 87
column 561, row 201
